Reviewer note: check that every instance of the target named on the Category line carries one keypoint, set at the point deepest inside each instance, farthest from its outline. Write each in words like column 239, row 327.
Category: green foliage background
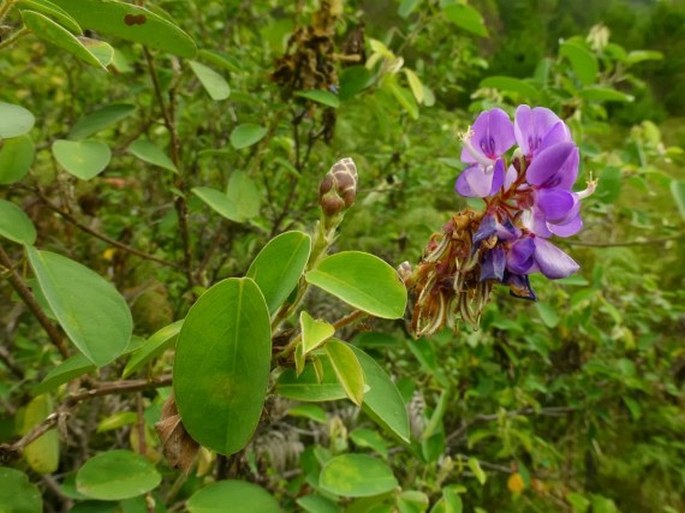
column 574, row 403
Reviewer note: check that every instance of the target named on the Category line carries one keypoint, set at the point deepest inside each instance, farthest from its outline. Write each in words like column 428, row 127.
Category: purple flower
column 484, row 145
column 538, row 128
column 530, row 254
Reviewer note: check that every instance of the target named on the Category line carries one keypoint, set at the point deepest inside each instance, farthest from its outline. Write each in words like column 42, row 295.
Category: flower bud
column 338, row 189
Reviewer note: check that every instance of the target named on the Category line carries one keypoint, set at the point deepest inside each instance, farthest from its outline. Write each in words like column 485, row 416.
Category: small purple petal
column 510, row 177
column 497, row 177
column 552, row 261
column 555, row 167
column 507, row 231
column 537, row 128
column 519, row 286
column 555, row 204
column 534, row 221
column 568, row 228
column 492, row 265
column 493, row 135
column 474, row 182
column 486, row 228
column 520, row 257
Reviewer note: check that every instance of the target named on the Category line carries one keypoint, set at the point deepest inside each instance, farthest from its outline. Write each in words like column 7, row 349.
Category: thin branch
column 14, row 37
column 29, row 300
column 12, row 451
column 10, row 363
column 646, row 242
column 105, row 238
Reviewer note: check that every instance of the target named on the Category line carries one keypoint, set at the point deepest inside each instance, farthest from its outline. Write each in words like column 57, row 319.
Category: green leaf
column 215, row 85
column 347, row 368
column 152, row 154
column 153, row 347
column 130, row 22
column 412, row 501
column 356, row 475
column 309, row 411
column 17, row 493
column 404, row 97
column 353, row 80
column 279, row 265
column 241, row 495
column 604, row 94
column 84, row 159
column 117, row 420
column 452, row 500
column 466, row 17
column 226, row 334
column 49, row 31
column 42, row 454
column 513, row 85
column 16, row 157
column 90, row 310
column 246, row 135
column 219, row 202
column 362, row 280
column 243, row 192
column 415, row 85
column 363, row 437
column 678, row 191
column 609, row 185
column 115, row 475
column 321, row 96
column 306, row 386
column 474, row 465
column 314, row 331
column 583, row 62
column 435, row 424
column 15, row 120
column 383, row 401
column 407, row 7
column 644, row 55
column 102, row 51
column 53, row 11
column 317, row 504
column 100, row 119
column 15, row 225
column 220, row 60
column 69, row 369
column 548, row 315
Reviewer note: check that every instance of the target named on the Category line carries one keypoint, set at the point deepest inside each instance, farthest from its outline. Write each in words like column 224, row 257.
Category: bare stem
column 14, row 37
column 646, row 242
column 29, row 300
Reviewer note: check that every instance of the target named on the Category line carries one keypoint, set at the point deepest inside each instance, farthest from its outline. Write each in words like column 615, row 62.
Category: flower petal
column 492, row 265
column 474, row 182
column 555, row 167
column 538, row 128
column 486, row 228
column 520, row 257
column 552, row 261
column 568, row 228
column 555, row 204
column 492, row 135
column 519, row 286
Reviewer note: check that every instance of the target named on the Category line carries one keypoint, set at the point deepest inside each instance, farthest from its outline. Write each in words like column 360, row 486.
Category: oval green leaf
column 306, row 386
column 53, row 11
column 154, row 346
column 511, row 84
column 362, row 280
column 279, row 265
column 219, row 202
column 17, row 493
column 243, row 192
column 235, row 495
column 246, row 135
column 583, row 61
column 90, row 310
column 356, row 475
column 84, row 159
column 15, row 120
column 130, row 22
column 69, row 369
column 116, row 475
column 347, row 368
column 215, row 85
column 466, row 17
column 16, row 157
column 42, row 454
column 226, row 334
column 152, row 154
column 100, row 119
column 321, row 96
column 314, row 331
column 605, row 94
column 383, row 401
column 53, row 33
column 15, row 225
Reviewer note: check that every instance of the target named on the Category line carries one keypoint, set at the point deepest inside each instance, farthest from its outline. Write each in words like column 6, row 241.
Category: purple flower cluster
column 528, row 199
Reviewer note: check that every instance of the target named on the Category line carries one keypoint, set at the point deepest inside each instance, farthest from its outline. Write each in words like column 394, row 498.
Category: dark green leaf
column 321, row 96
column 90, row 310
column 17, row 493
column 152, row 154
column 153, row 347
column 279, row 265
column 605, row 94
column 466, row 17
column 15, row 225
column 227, row 334
column 100, row 119
column 69, row 369
column 583, row 61
column 509, row 84
column 246, row 135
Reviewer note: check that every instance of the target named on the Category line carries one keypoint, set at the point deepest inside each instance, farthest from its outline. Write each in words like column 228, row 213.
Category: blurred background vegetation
column 574, row 403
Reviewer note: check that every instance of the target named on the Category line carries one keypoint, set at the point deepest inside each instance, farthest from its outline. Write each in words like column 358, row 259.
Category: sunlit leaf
column 116, row 475
column 241, row 495
column 215, row 85
column 15, row 225
column 356, row 475
column 84, row 159
column 15, row 120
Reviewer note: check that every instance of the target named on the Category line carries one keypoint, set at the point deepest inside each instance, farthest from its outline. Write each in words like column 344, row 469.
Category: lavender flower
column 529, row 198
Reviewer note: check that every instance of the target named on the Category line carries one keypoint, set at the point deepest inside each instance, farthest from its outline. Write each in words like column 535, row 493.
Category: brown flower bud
column 338, row 189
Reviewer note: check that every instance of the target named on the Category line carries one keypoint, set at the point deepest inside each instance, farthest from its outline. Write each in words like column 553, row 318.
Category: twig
column 14, row 37
column 180, row 202
column 105, row 238
column 625, row 244
column 10, row 363
column 13, row 451
column 30, row 301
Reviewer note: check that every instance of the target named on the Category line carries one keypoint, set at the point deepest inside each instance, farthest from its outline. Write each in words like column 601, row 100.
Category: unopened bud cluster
column 338, row 189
